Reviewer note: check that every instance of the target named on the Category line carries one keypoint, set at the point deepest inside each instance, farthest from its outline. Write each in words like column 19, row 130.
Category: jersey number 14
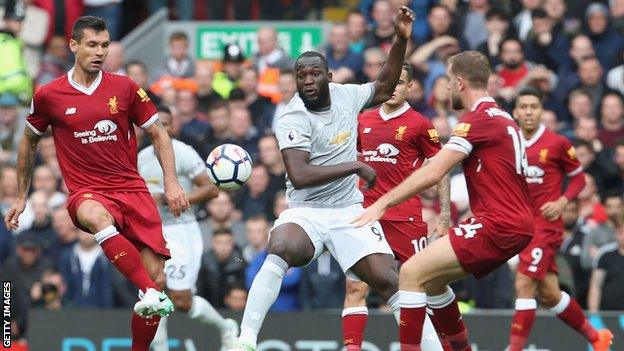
column 520, row 156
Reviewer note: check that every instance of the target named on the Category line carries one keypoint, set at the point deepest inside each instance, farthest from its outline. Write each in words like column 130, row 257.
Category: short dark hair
column 96, row 24
column 582, row 143
column 496, row 12
column 410, row 71
column 530, row 91
column 222, row 231
column 539, row 13
column 178, row 36
column 137, row 63
column 473, row 66
column 508, row 39
column 313, row 54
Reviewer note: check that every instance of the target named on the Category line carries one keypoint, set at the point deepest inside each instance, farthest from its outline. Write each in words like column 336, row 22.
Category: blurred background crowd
column 571, row 50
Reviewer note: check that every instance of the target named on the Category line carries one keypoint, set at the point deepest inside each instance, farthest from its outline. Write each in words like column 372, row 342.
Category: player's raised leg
column 354, row 314
column 569, row 311
column 424, row 279
column 289, row 246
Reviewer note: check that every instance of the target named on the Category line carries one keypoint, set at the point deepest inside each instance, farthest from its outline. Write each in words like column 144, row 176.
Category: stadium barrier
column 109, row 330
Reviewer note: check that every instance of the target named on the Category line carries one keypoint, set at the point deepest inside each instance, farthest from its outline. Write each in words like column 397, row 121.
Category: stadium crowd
column 571, row 50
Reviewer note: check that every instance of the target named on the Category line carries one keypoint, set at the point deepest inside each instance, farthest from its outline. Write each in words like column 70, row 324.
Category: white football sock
column 262, row 295
column 202, row 311
column 161, row 339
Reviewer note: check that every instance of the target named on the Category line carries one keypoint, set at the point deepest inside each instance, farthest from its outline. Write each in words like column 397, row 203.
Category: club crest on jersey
column 400, row 132
column 112, row 105
column 143, row 95
column 571, row 153
column 433, row 135
column 340, row 138
column 543, row 155
column 462, row 129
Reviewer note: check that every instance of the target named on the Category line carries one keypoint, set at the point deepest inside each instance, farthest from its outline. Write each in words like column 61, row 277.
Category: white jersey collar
column 538, row 134
column 388, row 116
column 85, row 90
column 481, row 100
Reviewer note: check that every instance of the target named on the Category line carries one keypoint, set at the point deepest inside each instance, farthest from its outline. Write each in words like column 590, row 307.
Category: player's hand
column 370, row 215
column 176, row 198
column 441, row 228
column 552, row 210
column 11, row 220
column 368, row 175
column 403, row 25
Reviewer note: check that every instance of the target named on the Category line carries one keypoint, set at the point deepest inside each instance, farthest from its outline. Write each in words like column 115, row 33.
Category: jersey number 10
column 519, row 150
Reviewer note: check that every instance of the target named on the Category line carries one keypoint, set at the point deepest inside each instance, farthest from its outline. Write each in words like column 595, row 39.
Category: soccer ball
column 229, row 166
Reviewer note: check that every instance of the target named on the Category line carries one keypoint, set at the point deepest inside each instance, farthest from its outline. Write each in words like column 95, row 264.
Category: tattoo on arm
column 444, row 193
column 162, row 148
column 26, row 160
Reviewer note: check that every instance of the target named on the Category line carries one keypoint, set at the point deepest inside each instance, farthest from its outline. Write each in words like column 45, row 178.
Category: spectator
column 62, row 16
column 11, row 127
column 194, row 125
column 261, row 107
column 611, row 119
column 257, row 237
column 322, row 284
column 549, row 119
column 615, row 79
column 602, row 232
column 430, row 59
column 45, row 180
column 382, row 34
column 440, row 20
column 580, row 103
column 8, row 187
column 242, row 132
column 288, row 88
column 269, row 60
column 110, row 11
column 222, row 215
column 235, row 297
column 344, row 64
column 221, row 266
column 219, row 132
column 416, row 98
column 591, row 75
column 87, row 273
column 115, row 60
column 279, row 203
column 580, row 48
column 608, row 43
column 558, row 11
column 607, row 280
column 138, row 72
column 55, row 61
column 254, row 198
column 271, row 158
column 178, row 63
column 288, row 298
column 473, row 28
column 14, row 78
column 28, row 264
column 573, row 235
column 513, row 68
column 524, row 20
column 357, row 30
column 36, row 20
column 586, row 129
column 66, row 235
column 498, row 29
column 206, row 96
column 49, row 293
column 42, row 221
column 546, row 42
column 440, row 100
column 373, row 61
column 224, row 81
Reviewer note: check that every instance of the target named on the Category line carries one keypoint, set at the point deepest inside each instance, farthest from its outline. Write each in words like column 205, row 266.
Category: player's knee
column 282, row 249
column 181, row 301
column 96, row 221
column 409, row 272
column 548, row 298
column 355, row 293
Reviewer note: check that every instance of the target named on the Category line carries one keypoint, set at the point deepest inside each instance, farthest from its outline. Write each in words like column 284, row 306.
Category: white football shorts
column 185, row 243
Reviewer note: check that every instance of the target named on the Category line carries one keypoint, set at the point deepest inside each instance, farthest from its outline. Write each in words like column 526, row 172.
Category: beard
column 512, row 65
column 456, row 103
column 318, row 102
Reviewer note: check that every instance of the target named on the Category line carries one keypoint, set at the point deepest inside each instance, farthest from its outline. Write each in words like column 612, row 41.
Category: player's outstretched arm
column 204, row 189
column 26, row 153
column 391, row 70
column 302, row 174
column 174, row 194
column 444, row 194
column 418, row 181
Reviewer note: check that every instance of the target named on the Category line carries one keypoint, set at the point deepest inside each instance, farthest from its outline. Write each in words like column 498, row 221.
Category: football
column 229, row 166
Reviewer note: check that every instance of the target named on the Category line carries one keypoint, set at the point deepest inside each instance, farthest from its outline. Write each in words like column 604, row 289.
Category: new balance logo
column 70, row 111
column 367, row 130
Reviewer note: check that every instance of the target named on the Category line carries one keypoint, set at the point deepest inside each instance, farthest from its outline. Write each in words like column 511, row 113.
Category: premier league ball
column 229, row 166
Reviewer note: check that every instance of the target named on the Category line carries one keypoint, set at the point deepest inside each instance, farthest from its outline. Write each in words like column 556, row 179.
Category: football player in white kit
column 183, row 235
column 317, row 135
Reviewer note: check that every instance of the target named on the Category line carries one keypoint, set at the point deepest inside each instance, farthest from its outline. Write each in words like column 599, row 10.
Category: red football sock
column 522, row 323
column 446, row 346
column 143, row 331
column 412, row 319
column 569, row 311
column 353, row 325
column 448, row 319
column 123, row 255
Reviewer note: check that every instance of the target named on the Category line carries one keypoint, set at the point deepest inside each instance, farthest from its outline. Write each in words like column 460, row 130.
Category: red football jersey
column 395, row 145
column 93, row 130
column 494, row 168
column 551, row 156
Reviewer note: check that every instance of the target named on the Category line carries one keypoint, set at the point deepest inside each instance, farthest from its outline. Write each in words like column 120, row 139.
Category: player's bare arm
column 204, row 189
column 302, row 174
column 25, row 164
column 391, row 70
column 418, row 181
column 174, row 194
column 552, row 210
column 444, row 194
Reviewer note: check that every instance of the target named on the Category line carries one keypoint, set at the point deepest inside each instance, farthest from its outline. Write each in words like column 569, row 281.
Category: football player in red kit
column 488, row 143
column 550, row 157
column 92, row 115
column 395, row 140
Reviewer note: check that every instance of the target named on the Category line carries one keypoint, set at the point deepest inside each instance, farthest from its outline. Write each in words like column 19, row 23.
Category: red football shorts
column 538, row 258
column 481, row 247
column 135, row 213
column 405, row 238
